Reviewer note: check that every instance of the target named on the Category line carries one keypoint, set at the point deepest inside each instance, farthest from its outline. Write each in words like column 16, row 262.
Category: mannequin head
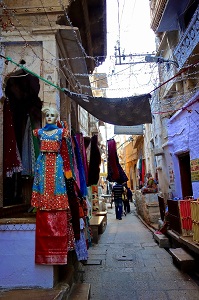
column 51, row 115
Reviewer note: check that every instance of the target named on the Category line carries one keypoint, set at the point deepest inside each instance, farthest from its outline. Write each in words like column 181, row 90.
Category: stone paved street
column 127, row 264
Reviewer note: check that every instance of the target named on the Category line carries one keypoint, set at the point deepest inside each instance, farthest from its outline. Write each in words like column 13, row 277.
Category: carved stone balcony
column 189, row 41
column 157, row 9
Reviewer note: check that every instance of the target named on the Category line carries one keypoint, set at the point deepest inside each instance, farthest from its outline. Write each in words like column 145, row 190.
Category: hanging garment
column 80, row 245
column 70, row 232
column 80, row 140
column 75, row 163
column 67, row 153
column 143, row 171
column 49, row 188
column 95, row 161
column 115, row 171
column 51, row 243
column 126, row 111
column 11, row 157
column 88, row 234
column 74, row 207
column 82, row 177
column 28, row 153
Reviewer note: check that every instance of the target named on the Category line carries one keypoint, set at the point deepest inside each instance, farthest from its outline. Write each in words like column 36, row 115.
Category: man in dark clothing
column 129, row 198
column 117, row 192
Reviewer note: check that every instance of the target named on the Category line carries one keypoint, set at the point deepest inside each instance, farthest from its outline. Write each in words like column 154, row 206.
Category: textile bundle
column 115, row 171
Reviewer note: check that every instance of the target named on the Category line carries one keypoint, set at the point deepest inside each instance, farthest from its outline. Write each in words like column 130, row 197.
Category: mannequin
column 49, row 193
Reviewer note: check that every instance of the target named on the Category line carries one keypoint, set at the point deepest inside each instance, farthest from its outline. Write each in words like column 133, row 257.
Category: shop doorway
column 185, row 174
column 21, row 104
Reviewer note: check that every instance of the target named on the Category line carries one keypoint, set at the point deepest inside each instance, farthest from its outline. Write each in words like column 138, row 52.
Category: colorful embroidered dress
column 54, row 236
column 49, row 188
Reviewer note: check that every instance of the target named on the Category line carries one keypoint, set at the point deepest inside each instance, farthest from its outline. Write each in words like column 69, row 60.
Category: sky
column 128, row 21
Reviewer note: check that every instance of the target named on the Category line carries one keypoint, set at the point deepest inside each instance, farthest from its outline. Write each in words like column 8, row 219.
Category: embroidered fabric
column 49, row 188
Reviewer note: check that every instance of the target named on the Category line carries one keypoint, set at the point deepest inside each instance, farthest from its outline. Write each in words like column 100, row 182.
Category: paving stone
column 134, row 267
column 162, row 240
column 183, row 295
column 162, row 285
column 151, row 295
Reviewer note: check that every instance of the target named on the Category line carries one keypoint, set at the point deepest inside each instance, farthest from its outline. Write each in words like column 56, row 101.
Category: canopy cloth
column 127, row 111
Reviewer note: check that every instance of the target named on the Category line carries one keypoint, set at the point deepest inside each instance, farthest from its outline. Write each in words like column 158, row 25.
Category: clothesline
column 9, row 59
column 125, row 111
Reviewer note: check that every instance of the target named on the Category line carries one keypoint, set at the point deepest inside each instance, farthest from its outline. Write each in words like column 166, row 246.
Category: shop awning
column 125, row 111
column 72, row 49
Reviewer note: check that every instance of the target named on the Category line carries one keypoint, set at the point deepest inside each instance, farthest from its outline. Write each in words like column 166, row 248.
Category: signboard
column 132, row 130
column 194, row 169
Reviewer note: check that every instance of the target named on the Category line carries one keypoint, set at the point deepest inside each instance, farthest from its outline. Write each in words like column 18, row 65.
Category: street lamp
column 160, row 60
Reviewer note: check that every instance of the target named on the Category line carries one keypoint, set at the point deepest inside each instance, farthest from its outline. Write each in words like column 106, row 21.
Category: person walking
column 117, row 192
column 129, row 198
column 125, row 200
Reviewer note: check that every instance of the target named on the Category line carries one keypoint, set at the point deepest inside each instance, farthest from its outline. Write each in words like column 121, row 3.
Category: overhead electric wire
column 54, row 58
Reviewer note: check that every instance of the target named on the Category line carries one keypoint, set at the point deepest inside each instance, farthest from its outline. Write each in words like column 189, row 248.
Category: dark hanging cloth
column 115, row 171
column 127, row 111
column 74, row 207
column 95, row 161
column 11, row 158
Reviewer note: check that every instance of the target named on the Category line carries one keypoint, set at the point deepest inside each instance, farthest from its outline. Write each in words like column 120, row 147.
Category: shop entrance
column 185, row 173
column 22, row 105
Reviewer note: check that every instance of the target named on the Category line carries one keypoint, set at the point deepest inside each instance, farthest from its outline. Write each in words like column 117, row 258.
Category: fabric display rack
column 184, row 217
column 195, row 220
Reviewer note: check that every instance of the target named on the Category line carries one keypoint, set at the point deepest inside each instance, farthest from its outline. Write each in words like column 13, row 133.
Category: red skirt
column 51, row 243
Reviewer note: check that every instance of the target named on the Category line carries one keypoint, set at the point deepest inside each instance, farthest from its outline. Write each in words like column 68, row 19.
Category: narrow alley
column 127, row 264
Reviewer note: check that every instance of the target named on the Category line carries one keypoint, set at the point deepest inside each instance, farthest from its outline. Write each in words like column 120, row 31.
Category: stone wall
column 147, row 207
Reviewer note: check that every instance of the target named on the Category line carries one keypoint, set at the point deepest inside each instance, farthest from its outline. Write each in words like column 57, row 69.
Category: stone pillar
column 51, row 95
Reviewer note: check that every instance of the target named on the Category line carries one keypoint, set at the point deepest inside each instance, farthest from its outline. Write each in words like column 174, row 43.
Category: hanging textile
column 51, row 243
column 49, row 188
column 11, row 157
column 127, row 111
column 53, row 236
column 66, row 153
column 95, row 161
column 82, row 178
column 143, row 172
column 80, row 245
column 28, row 153
column 70, row 232
column 74, row 207
column 140, row 173
column 115, row 171
column 81, row 143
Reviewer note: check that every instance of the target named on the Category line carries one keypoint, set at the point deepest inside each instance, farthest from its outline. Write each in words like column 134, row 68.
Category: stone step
column 154, row 217
column 161, row 239
column 183, row 259
column 80, row 291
